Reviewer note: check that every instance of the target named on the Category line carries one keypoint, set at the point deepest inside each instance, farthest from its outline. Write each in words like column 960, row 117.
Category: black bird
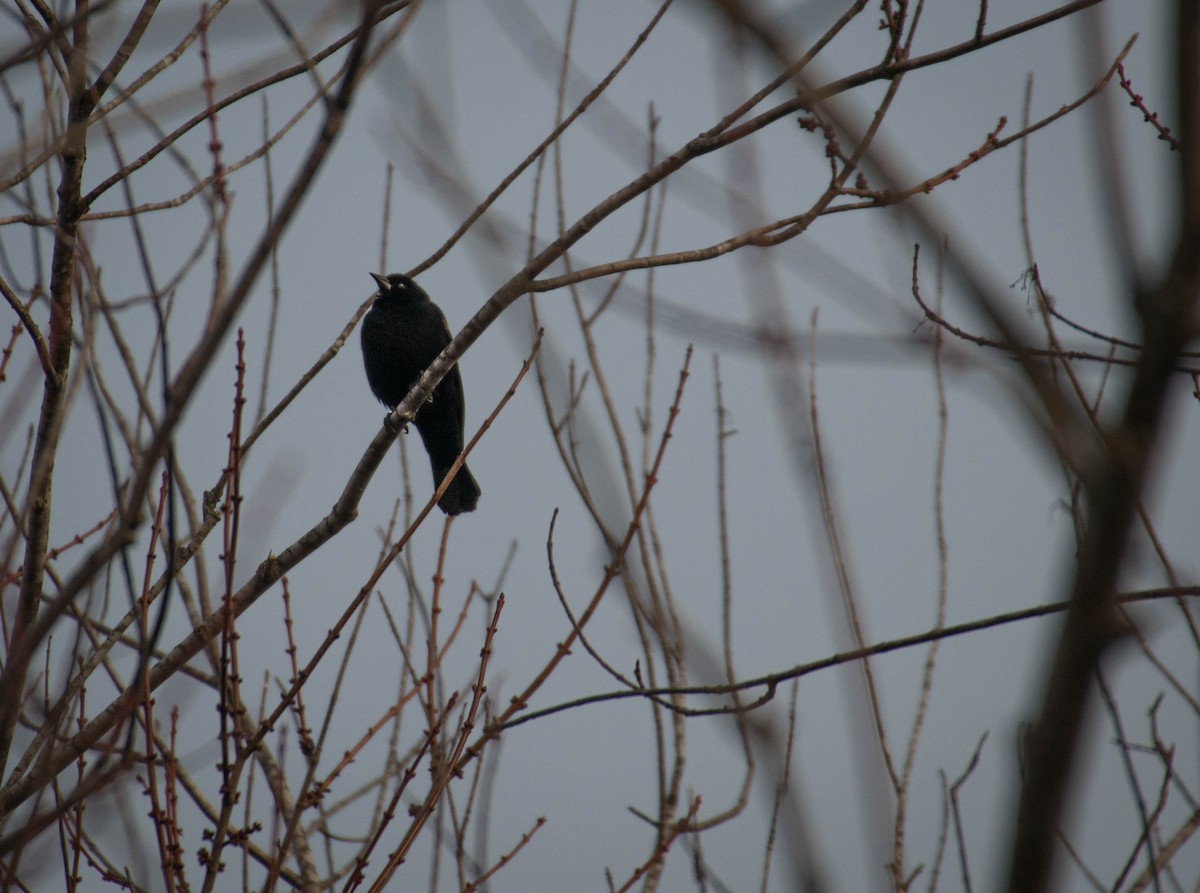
column 402, row 334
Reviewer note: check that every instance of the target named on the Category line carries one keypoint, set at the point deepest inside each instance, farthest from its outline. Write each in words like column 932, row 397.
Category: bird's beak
column 381, row 281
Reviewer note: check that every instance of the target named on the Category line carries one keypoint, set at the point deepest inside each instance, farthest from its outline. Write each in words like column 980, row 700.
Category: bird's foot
column 395, row 424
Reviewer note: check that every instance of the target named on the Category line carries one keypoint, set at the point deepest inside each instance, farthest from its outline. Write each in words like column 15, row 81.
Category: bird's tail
column 463, row 493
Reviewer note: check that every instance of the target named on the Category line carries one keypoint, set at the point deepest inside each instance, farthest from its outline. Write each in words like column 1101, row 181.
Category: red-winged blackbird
column 402, row 334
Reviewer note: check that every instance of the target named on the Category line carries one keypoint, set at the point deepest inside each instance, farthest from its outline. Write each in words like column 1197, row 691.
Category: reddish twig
column 230, row 708
column 410, row 772
column 611, row 572
column 450, row 769
column 302, row 727
column 77, row 540
column 660, row 851
column 166, row 837
column 214, row 138
column 1135, row 100
column 506, row 858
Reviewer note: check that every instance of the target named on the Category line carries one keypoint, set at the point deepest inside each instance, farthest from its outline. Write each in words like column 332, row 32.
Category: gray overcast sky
column 486, row 75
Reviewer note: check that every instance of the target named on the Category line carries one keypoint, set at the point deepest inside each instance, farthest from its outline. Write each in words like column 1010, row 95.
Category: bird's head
column 397, row 285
